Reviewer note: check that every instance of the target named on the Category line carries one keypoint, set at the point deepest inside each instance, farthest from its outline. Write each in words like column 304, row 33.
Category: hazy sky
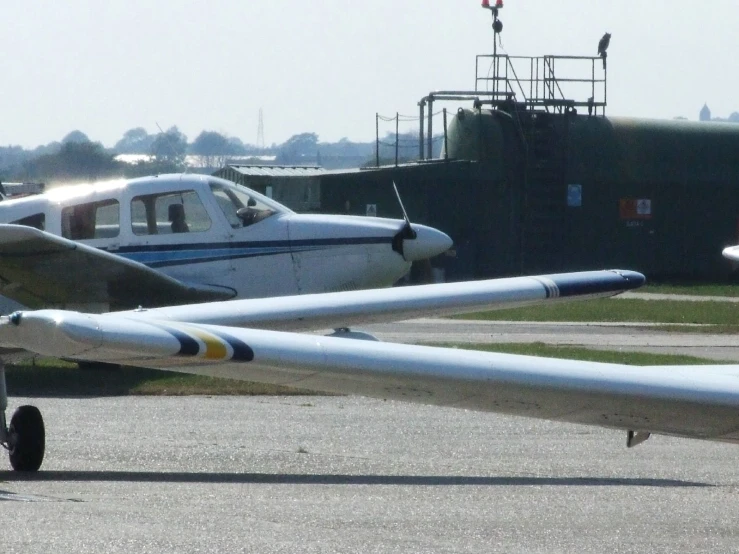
column 329, row 65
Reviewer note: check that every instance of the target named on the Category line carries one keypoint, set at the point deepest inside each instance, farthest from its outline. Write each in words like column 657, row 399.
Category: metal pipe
column 397, row 137
column 437, row 93
column 422, row 105
column 377, row 140
column 470, row 97
column 430, row 135
column 446, row 144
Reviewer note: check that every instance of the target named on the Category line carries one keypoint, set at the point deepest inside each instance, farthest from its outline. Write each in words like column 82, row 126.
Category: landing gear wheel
column 27, row 439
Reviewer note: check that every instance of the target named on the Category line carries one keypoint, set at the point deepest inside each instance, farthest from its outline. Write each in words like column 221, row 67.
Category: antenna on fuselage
column 408, row 231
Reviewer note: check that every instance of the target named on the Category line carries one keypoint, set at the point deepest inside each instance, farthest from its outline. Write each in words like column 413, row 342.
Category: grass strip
column 622, row 310
column 48, row 377
column 693, row 289
column 585, row 354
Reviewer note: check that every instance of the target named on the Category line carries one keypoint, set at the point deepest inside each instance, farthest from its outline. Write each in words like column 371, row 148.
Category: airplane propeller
column 418, row 243
column 408, row 232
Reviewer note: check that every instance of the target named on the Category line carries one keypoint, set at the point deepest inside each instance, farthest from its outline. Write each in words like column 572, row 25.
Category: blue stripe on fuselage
column 181, row 254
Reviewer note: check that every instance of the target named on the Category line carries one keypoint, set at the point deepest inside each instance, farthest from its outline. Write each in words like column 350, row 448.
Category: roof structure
column 277, row 170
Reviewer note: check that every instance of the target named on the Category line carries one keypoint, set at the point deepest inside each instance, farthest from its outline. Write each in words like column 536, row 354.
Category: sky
column 329, row 66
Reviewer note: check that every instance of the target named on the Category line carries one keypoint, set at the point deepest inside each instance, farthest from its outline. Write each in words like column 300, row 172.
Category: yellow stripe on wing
column 211, row 345
column 215, row 347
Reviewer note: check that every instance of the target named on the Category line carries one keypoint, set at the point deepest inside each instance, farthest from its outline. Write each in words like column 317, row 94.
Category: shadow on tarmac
column 332, row 479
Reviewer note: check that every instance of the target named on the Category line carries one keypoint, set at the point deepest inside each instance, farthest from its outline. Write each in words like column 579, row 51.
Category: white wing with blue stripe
column 697, row 402
column 341, row 309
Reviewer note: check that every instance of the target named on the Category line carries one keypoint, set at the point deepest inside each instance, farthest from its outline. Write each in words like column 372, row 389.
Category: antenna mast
column 497, row 28
column 260, row 131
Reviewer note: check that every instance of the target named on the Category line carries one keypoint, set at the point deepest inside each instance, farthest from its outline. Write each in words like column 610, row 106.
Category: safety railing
column 551, row 83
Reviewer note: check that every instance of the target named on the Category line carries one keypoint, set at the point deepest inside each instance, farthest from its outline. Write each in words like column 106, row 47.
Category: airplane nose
column 731, row 253
column 427, row 243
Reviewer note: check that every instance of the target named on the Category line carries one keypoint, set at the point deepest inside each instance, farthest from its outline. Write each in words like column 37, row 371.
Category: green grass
column 585, row 354
column 50, row 377
column 669, row 312
column 696, row 289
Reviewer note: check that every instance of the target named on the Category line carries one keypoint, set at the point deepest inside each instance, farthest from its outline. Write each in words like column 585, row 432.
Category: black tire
column 28, row 437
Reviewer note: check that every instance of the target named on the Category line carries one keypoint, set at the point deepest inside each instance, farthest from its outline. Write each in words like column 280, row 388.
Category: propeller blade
column 408, row 231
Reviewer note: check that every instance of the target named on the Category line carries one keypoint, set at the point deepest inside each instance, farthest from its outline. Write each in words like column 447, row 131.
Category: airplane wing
column 342, row 309
column 687, row 401
column 39, row 269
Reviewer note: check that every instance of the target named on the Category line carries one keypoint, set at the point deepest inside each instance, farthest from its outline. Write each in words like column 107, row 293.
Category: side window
column 227, row 206
column 36, row 220
column 172, row 212
column 240, row 208
column 93, row 220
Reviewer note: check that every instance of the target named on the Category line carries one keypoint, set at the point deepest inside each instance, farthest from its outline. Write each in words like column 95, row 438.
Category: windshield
column 242, row 206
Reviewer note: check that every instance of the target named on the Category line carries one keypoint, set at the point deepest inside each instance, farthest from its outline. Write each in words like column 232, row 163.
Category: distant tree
column 213, row 147
column 298, row 148
column 407, row 146
column 238, row 148
column 86, row 161
column 75, row 136
column 734, row 117
column 135, row 141
column 347, row 148
column 11, row 160
column 170, row 147
column 51, row 148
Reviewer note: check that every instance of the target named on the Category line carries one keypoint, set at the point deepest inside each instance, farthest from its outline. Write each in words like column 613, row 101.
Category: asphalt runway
column 345, row 474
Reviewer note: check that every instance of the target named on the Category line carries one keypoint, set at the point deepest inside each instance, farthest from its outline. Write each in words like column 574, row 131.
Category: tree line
column 76, row 157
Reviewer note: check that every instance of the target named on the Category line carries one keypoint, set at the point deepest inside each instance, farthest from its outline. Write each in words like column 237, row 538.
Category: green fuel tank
column 656, row 196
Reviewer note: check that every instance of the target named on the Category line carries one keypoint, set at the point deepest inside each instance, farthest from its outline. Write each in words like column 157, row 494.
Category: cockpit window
column 241, row 206
column 92, row 220
column 171, row 212
column 36, row 220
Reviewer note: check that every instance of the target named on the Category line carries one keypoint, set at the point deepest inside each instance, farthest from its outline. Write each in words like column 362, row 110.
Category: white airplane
column 254, row 340
column 177, row 239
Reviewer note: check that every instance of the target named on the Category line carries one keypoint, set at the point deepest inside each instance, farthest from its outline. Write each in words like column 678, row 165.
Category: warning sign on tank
column 635, row 208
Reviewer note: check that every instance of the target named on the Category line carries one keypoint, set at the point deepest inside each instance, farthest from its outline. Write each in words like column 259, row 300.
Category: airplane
column 184, row 238
column 257, row 340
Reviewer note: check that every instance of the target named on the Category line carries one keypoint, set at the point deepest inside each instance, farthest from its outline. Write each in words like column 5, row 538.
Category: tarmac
column 347, row 474
column 323, row 474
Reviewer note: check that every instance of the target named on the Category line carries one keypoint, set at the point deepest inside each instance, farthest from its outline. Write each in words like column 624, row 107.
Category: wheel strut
column 25, row 437
column 3, row 406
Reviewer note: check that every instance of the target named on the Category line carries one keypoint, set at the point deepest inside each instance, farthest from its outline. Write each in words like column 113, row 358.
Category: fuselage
column 202, row 229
